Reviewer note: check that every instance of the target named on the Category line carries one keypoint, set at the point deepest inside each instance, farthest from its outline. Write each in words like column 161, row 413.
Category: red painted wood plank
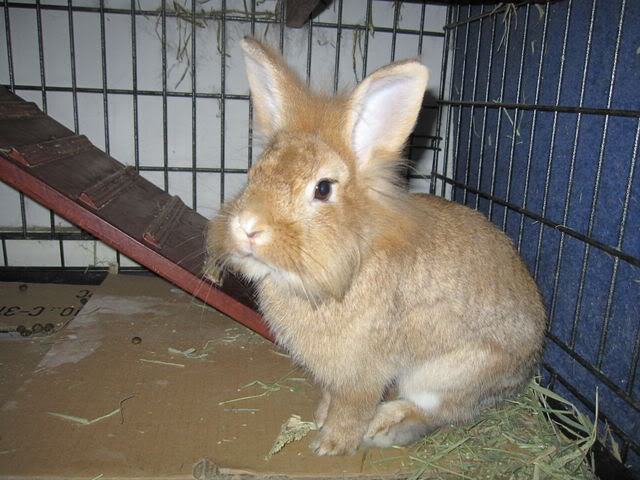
column 76, row 178
column 42, row 193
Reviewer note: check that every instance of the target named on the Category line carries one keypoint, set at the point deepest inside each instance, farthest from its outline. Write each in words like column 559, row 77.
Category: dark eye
column 323, row 190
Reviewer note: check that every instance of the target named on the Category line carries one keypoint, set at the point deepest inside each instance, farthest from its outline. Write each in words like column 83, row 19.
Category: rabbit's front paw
column 335, row 442
column 322, row 409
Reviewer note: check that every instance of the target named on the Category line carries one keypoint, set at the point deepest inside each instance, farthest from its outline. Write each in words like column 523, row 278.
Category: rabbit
column 411, row 312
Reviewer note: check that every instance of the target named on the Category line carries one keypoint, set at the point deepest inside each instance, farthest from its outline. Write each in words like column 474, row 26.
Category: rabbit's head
column 327, row 178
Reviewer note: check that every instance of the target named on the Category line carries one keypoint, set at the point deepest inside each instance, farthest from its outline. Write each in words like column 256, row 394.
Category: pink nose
column 252, row 235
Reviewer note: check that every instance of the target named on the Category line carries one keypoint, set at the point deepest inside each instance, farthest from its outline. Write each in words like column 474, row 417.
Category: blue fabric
column 568, row 168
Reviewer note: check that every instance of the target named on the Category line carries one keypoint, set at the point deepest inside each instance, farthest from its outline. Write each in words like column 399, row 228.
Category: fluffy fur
column 410, row 311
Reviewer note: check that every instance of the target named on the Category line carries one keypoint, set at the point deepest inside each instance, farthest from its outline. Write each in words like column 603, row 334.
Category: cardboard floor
column 109, row 394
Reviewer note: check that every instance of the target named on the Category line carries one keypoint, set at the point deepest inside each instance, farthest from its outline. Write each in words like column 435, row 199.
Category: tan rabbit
column 372, row 289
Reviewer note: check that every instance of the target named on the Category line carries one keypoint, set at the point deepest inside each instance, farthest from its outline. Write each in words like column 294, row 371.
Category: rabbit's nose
column 248, row 224
column 253, row 235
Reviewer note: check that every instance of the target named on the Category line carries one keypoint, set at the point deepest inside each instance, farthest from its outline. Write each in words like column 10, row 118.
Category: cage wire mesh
column 531, row 117
column 542, row 134
column 160, row 85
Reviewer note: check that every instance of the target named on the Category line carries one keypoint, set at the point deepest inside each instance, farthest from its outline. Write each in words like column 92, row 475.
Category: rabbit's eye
column 323, row 190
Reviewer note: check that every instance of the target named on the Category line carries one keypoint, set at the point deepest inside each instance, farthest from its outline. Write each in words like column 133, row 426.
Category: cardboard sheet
column 109, row 395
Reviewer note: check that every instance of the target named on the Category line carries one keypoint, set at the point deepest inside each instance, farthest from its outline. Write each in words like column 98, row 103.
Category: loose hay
column 516, row 440
column 268, row 388
column 292, row 430
column 188, row 353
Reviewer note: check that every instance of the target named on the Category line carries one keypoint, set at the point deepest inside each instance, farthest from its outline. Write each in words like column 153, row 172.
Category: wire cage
column 542, row 136
column 160, row 85
column 530, row 117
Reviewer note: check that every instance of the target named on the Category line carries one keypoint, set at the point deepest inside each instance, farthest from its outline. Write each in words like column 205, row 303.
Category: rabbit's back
column 472, row 267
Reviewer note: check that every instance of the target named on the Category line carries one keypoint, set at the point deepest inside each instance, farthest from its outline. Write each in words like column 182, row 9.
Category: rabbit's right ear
column 271, row 84
column 383, row 110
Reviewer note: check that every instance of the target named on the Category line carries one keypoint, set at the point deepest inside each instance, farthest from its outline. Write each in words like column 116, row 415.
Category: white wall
column 119, row 128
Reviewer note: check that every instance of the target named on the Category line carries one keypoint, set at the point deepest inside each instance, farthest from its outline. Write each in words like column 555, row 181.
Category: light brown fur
column 374, row 289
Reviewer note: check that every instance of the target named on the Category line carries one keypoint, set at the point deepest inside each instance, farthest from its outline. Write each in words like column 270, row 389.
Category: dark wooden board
column 81, row 183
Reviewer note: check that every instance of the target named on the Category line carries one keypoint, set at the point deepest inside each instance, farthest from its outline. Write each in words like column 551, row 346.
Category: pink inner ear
column 383, row 111
column 264, row 93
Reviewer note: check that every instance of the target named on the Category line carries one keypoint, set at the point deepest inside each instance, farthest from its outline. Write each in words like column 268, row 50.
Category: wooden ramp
column 81, row 183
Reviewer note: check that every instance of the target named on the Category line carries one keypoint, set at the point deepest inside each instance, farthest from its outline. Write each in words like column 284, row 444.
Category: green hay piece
column 292, row 430
column 268, row 388
column 159, row 362
column 98, row 477
column 84, row 421
column 188, row 353
column 280, row 354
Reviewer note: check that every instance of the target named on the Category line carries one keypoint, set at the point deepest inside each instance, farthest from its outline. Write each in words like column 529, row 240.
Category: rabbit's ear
column 383, row 109
column 271, row 84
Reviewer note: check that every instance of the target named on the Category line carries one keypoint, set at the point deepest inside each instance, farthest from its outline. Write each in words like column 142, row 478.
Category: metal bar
column 516, row 118
column 613, row 112
column 616, row 262
column 309, row 49
column 250, row 126
column 473, row 110
column 165, row 119
column 547, row 178
column 484, row 114
column 194, row 118
column 35, row 235
column 366, row 39
column 74, row 76
column 61, row 249
column 499, row 120
column 456, row 152
column 152, row 93
column 222, row 102
column 525, row 193
column 7, row 34
column 634, row 363
column 397, row 6
column 105, row 98
column 632, row 260
column 282, row 24
column 134, row 85
column 445, row 161
column 5, row 258
column 43, row 81
column 421, row 35
column 567, row 203
column 596, row 191
column 336, row 73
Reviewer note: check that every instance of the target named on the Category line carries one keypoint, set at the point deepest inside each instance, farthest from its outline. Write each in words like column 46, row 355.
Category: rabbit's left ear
column 274, row 87
column 383, row 109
